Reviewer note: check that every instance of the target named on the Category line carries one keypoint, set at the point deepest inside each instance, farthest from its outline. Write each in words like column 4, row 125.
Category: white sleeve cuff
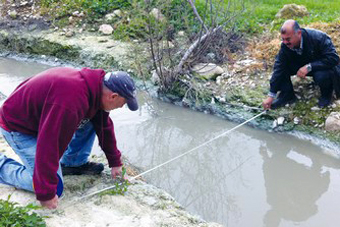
column 272, row 94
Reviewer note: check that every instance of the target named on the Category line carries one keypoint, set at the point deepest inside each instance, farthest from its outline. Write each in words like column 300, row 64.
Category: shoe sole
column 84, row 172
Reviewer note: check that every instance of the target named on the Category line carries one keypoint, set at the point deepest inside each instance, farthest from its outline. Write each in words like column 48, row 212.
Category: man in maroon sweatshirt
column 50, row 121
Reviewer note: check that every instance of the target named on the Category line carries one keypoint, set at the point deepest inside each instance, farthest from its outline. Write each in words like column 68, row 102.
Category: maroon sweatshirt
column 50, row 106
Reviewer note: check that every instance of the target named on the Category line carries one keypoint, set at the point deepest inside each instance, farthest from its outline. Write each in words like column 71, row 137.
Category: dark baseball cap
column 120, row 82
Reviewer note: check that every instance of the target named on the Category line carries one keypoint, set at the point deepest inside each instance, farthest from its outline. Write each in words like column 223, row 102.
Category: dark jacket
column 50, row 106
column 318, row 50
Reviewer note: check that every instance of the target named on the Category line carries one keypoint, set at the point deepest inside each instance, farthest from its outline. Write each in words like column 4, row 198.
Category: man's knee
column 323, row 77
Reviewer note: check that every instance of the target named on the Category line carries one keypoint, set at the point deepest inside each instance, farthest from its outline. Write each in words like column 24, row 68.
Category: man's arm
column 279, row 72
column 104, row 128
column 56, row 128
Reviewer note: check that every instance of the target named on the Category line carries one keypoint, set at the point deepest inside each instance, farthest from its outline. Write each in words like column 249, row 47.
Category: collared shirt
column 300, row 49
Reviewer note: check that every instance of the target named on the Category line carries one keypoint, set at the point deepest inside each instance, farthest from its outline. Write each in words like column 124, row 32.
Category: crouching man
column 304, row 52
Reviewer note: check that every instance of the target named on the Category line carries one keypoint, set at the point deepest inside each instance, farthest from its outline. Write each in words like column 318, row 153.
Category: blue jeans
column 21, row 175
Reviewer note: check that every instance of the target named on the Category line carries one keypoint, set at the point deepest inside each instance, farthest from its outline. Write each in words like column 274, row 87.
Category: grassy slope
column 259, row 14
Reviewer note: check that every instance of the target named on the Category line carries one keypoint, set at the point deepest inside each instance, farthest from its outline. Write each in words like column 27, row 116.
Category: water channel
column 246, row 178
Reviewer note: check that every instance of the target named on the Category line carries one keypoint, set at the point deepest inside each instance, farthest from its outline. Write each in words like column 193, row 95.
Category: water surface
column 246, row 178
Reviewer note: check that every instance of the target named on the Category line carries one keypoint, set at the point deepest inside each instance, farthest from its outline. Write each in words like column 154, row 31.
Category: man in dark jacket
column 50, row 121
column 304, row 52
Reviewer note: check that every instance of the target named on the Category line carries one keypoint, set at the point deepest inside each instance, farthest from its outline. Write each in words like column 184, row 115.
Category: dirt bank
column 142, row 205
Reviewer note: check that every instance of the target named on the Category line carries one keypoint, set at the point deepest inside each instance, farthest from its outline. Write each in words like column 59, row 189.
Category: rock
column 167, row 44
column 274, row 124
column 118, row 13
column 78, row 14
column 297, row 120
column 333, row 122
column 13, row 14
column 226, row 75
column 181, row 33
column 102, row 40
column 314, row 108
column 291, row 11
column 32, row 27
column 106, row 29
column 110, row 16
column 92, row 30
column 246, row 62
column 23, row 3
column 154, row 77
column 75, row 13
column 211, row 56
column 70, row 20
column 208, row 70
column 219, row 80
column 69, row 33
column 156, row 13
column 220, row 99
column 280, row 120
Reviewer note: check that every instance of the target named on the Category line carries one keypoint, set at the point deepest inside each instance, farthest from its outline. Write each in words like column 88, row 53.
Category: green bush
column 13, row 215
column 93, row 8
column 99, row 8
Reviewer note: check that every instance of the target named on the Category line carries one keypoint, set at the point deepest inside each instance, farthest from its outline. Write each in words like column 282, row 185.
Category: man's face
column 112, row 101
column 291, row 39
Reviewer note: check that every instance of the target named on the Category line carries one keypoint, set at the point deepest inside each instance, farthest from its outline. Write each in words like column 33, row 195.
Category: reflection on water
column 247, row 178
column 294, row 201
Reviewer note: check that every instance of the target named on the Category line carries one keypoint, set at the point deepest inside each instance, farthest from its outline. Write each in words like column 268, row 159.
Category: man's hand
column 303, row 71
column 50, row 204
column 267, row 103
column 116, row 171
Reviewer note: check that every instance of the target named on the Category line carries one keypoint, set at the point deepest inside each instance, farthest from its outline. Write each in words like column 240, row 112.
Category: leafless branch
column 197, row 15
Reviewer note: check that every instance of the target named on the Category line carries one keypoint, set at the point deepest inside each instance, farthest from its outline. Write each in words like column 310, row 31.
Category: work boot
column 89, row 168
column 326, row 97
column 324, row 102
column 283, row 99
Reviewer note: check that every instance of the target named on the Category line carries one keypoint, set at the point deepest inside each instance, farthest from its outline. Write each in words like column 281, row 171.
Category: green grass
column 258, row 15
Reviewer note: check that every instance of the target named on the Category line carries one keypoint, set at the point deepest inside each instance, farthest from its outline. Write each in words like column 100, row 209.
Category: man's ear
column 299, row 33
column 113, row 95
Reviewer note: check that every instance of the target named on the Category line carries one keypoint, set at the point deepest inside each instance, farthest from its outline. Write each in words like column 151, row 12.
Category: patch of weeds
column 121, row 184
column 249, row 97
column 11, row 214
column 303, row 109
column 134, row 28
column 162, row 206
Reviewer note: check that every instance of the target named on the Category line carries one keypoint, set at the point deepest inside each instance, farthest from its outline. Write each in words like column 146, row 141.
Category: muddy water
column 246, row 178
